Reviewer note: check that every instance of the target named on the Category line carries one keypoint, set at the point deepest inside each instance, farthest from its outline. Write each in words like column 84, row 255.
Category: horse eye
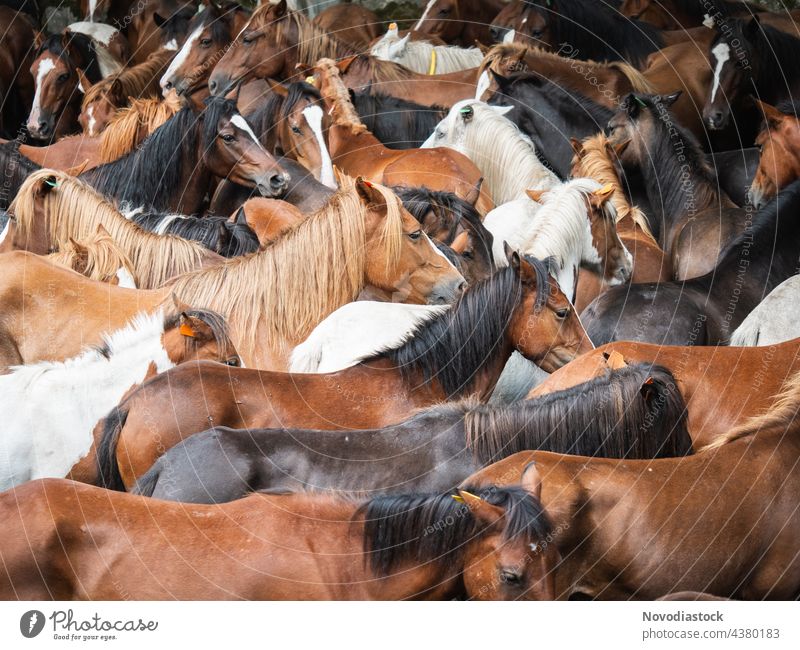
column 233, row 361
column 467, row 254
column 227, row 137
column 562, row 313
column 444, row 12
column 63, row 77
column 247, row 39
column 415, row 235
column 537, row 33
column 510, row 577
column 296, row 129
column 206, row 42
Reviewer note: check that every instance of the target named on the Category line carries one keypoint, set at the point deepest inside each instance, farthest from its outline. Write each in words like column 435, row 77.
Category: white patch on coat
column 45, row 67
column 4, row 234
column 180, row 58
column 125, row 279
column 98, row 32
column 722, row 52
column 313, row 115
column 424, row 14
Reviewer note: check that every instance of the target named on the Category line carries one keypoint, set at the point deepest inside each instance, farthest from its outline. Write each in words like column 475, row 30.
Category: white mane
column 417, row 55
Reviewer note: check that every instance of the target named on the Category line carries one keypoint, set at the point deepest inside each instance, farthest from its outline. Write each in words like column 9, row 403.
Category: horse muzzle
column 715, row 119
column 273, row 185
column 446, row 293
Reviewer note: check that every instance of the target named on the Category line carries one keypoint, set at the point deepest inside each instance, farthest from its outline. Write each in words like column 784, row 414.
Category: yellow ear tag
column 457, row 497
column 186, row 330
column 606, row 189
column 311, row 81
column 393, row 26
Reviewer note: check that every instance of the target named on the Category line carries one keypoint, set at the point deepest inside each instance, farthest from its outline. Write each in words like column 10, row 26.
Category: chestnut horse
column 271, row 300
column 262, row 547
column 98, row 257
column 269, row 219
column 644, row 529
column 722, row 386
column 779, row 145
column 459, row 22
column 454, row 354
column 356, row 151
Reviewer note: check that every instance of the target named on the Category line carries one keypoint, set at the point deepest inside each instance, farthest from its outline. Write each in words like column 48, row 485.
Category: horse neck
column 342, row 142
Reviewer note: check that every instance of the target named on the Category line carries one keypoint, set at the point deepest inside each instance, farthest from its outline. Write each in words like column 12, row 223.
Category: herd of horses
column 500, row 306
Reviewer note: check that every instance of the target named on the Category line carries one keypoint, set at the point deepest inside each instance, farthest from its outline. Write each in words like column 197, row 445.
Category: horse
column 355, row 25
column 57, row 97
column 633, row 413
column 16, row 168
column 52, row 207
column 458, row 21
column 102, row 100
column 51, row 408
column 174, row 166
column 271, row 45
column 98, row 257
column 261, row 547
column 216, row 233
column 371, row 241
column 15, row 61
column 210, row 33
column 778, row 142
column 774, row 320
column 396, row 122
column 574, row 222
column 685, row 14
column 628, row 512
column 507, row 158
column 424, row 57
column 693, row 220
column 356, row 151
column 749, row 57
column 707, row 309
column 158, row 24
column 456, row 353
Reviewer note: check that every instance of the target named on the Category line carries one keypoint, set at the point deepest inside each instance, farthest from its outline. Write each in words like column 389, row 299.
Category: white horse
column 506, row 156
column 558, row 226
column 425, row 57
column 50, row 409
column 775, row 320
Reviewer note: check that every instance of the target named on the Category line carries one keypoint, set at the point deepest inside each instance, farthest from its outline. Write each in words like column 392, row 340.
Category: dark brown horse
column 263, row 548
column 459, row 22
column 16, row 83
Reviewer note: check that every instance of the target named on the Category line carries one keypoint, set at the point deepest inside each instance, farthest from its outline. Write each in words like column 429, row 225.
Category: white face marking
column 722, row 52
column 172, row 44
column 46, row 66
column 483, row 84
column 509, row 37
column 313, row 115
column 92, row 8
column 125, row 279
column 239, row 122
column 99, row 32
column 439, row 253
column 92, row 120
column 180, row 58
column 424, row 14
column 4, row 234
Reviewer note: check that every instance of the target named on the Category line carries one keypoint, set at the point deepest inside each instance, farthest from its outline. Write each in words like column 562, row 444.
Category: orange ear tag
column 186, row 330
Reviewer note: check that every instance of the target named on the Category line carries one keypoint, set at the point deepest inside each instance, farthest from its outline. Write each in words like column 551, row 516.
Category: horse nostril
column 278, row 181
column 461, row 288
column 168, row 85
column 212, row 86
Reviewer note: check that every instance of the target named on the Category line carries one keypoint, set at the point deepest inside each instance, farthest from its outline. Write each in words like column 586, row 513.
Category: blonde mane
column 287, row 289
column 336, row 94
column 102, row 256
column 138, row 81
column 134, row 123
column 596, row 163
column 778, row 417
column 74, row 209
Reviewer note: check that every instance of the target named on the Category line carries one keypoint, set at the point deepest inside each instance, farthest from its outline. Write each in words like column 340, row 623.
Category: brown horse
column 102, row 100
column 159, row 23
column 595, row 158
column 357, row 151
column 271, row 300
column 644, row 529
column 722, row 386
column 16, row 58
column 270, row 219
column 459, row 22
column 779, row 143
column 355, row 25
column 97, row 257
column 452, row 355
column 273, row 547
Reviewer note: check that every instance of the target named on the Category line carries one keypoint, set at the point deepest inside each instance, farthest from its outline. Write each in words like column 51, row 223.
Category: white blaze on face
column 240, row 123
column 171, row 44
column 313, row 115
column 722, row 52
column 424, row 14
column 46, row 66
column 440, row 253
column 509, row 37
column 180, row 58
column 125, row 279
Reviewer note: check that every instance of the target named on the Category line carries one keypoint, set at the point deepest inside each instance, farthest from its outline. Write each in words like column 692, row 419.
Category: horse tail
column 146, row 485
column 108, row 472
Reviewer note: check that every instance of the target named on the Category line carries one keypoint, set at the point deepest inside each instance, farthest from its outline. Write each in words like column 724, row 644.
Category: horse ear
column 180, row 306
column 577, row 146
column 648, row 390
column 396, row 49
column 772, row 116
column 369, row 193
column 536, row 195
column 38, row 39
column 631, row 105
column 532, row 481
column 502, row 110
column 83, row 81
column 101, row 230
column 159, row 20
column 600, row 197
column 240, row 219
column 46, row 185
column 669, row 100
column 512, row 256
column 195, row 328
column 280, row 9
column 280, row 89
column 615, row 360
column 483, row 511
column 474, row 193
column 343, row 64
column 619, row 147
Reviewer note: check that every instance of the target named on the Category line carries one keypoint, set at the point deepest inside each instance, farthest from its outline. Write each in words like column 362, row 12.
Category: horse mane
column 421, row 528
column 334, row 91
column 420, row 200
column 75, row 209
column 138, row 81
column 313, row 42
column 632, row 412
column 398, row 123
column 590, row 26
column 123, row 133
column 417, row 55
column 776, row 419
column 103, row 256
column 84, row 45
column 777, row 50
column 639, row 83
column 381, row 71
column 596, row 163
column 284, row 290
column 457, row 344
column 789, row 107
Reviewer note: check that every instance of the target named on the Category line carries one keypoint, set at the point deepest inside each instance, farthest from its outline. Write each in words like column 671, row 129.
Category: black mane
column 594, row 31
column 420, row 200
column 456, row 345
column 397, row 123
column 433, row 528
